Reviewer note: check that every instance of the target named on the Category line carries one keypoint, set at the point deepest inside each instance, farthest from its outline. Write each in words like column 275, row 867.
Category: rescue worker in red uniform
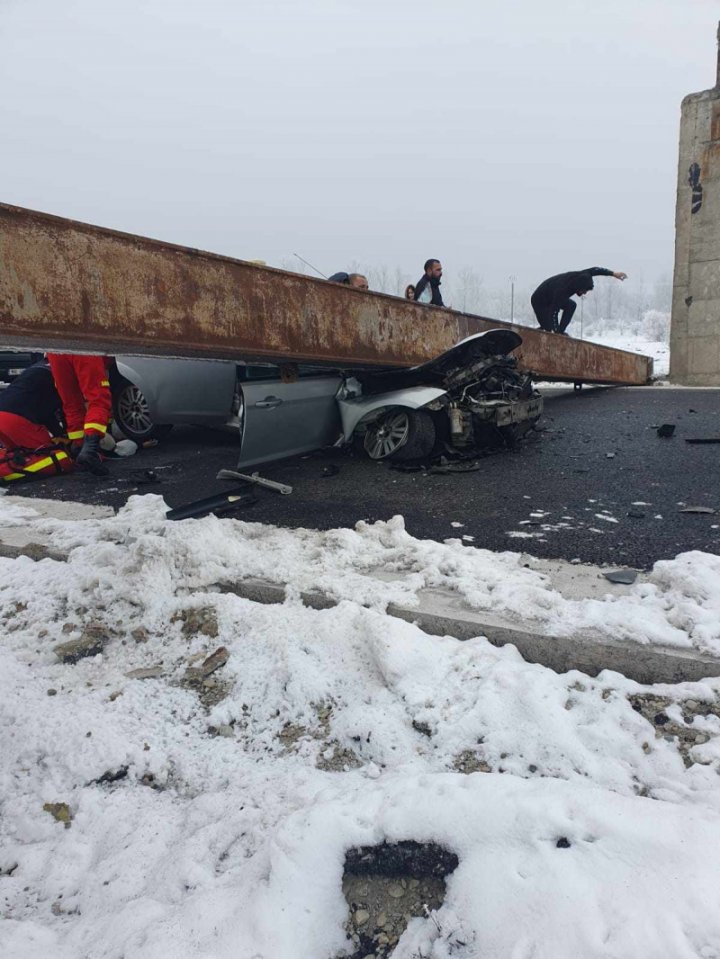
column 84, row 388
column 29, row 423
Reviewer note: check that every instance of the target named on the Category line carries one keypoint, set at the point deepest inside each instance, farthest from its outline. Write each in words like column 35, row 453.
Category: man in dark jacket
column 553, row 296
column 29, row 421
column 427, row 288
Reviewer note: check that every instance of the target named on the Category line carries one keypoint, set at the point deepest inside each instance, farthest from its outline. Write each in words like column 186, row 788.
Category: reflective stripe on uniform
column 104, row 382
column 96, row 426
column 48, row 461
column 75, row 434
column 37, row 466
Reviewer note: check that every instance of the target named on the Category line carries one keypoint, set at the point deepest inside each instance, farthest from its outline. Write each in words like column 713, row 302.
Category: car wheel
column 131, row 413
column 400, row 434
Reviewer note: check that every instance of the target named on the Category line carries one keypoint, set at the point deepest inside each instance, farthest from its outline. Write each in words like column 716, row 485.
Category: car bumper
column 501, row 413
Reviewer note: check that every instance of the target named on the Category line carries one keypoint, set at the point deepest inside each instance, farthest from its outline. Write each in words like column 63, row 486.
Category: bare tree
column 293, row 265
column 401, row 281
column 469, row 286
column 379, row 279
column 662, row 294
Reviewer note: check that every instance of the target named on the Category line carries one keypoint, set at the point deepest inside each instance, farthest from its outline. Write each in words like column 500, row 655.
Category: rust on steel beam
column 66, row 285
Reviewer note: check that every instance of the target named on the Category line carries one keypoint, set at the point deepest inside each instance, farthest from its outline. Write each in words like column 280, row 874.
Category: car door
column 182, row 390
column 282, row 418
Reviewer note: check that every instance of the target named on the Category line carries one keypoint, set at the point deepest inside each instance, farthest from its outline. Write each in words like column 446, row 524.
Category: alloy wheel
column 387, row 435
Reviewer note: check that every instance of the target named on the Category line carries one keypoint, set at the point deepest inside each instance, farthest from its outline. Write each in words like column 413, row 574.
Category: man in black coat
column 427, row 288
column 553, row 296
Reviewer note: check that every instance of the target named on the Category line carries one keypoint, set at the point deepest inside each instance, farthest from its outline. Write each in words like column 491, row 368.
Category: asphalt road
column 567, row 491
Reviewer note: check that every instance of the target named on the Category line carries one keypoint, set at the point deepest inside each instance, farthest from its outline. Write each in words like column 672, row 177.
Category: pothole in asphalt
column 386, row 886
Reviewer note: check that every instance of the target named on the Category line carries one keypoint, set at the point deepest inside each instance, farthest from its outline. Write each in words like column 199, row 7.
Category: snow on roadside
column 225, row 830
column 659, row 350
column 679, row 605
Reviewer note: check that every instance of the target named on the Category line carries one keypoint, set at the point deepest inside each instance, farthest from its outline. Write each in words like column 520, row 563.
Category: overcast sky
column 517, row 137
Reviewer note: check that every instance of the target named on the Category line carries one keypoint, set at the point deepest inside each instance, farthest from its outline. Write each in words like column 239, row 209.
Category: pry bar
column 256, row 479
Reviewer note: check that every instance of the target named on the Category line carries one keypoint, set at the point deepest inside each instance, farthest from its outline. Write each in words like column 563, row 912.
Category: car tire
column 400, row 434
column 130, row 411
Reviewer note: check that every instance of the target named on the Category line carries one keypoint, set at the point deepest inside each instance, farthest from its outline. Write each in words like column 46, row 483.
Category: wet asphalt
column 594, row 483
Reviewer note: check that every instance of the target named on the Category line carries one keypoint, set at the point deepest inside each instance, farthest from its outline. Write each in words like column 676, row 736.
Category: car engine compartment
column 485, row 402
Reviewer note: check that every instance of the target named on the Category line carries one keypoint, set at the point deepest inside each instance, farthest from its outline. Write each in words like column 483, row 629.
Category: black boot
column 89, row 457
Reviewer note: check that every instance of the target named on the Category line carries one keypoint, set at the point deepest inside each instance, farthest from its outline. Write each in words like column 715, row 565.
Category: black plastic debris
column 111, row 776
column 236, row 503
column 220, row 503
column 563, row 843
column 635, row 513
column 624, row 576
column 666, row 430
column 406, row 858
column 141, row 478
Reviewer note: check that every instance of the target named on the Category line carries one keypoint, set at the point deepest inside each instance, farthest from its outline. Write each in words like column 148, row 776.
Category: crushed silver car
column 466, row 399
column 463, row 400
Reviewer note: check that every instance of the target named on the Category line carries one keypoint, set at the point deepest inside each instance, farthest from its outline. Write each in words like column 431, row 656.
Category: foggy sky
column 520, row 138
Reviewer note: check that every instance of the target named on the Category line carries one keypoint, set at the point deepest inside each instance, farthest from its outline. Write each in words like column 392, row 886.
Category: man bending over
column 551, row 301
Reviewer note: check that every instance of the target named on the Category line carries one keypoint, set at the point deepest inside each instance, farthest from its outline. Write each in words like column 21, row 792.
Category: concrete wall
column 695, row 327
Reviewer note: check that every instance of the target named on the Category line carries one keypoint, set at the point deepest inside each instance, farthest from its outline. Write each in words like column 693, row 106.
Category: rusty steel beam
column 70, row 286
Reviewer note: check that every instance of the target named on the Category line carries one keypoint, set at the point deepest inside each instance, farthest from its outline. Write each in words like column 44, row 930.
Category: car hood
column 459, row 357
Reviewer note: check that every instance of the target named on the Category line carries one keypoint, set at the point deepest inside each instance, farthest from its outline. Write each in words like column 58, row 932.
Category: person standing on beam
column 552, row 301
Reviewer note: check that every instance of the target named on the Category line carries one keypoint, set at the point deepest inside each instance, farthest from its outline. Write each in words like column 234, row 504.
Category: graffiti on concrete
column 696, row 186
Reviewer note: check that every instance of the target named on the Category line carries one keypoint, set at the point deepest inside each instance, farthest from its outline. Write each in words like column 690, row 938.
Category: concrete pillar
column 695, row 325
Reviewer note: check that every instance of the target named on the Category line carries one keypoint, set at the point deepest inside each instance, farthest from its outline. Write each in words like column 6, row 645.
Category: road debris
column 145, row 672
column 699, row 509
column 209, row 665
column 666, row 430
column 256, row 479
column 59, row 811
column 92, row 641
column 624, row 576
column 220, row 503
column 141, row 478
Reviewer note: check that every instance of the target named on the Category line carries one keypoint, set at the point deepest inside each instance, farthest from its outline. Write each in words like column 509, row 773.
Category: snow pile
column 374, row 564
column 211, row 816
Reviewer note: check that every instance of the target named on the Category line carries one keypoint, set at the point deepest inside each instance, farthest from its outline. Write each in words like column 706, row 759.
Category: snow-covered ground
column 658, row 349
column 211, row 814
